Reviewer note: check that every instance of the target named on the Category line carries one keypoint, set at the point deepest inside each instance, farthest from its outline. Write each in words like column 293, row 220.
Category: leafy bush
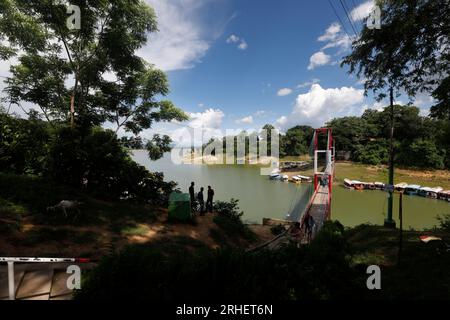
column 23, row 144
column 373, row 153
column 444, row 222
column 96, row 162
column 149, row 273
column 229, row 220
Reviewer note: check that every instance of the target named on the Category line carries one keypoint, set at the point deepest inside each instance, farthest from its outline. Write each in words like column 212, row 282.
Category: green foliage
column 23, row 144
column 418, row 141
column 296, row 141
column 149, row 272
column 423, row 154
column 444, row 222
column 229, row 220
column 373, row 153
column 109, row 85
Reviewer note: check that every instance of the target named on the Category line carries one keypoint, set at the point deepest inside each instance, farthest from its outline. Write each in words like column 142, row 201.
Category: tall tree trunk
column 72, row 102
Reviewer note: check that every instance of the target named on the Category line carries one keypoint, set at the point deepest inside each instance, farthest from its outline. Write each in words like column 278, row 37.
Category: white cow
column 65, row 205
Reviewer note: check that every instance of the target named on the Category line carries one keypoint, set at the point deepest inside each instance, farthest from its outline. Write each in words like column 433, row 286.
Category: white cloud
column 320, row 105
column 335, row 38
column 318, row 59
column 308, row 83
column 209, row 119
column 180, row 42
column 233, row 39
column 331, row 33
column 362, row 11
column 242, row 44
column 284, row 92
column 245, row 120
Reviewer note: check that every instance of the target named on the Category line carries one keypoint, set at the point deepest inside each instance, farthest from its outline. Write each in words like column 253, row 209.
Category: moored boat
column 434, row 192
column 275, row 176
column 305, row 178
column 400, row 186
column 348, row 184
column 285, row 177
column 423, row 192
column 444, row 195
column 379, row 185
column 358, row 185
column 370, row 186
column 412, row 189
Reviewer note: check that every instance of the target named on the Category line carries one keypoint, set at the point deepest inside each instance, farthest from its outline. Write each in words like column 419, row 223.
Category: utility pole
column 389, row 222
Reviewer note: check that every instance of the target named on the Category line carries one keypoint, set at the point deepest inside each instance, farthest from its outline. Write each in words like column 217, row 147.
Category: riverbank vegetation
column 332, row 267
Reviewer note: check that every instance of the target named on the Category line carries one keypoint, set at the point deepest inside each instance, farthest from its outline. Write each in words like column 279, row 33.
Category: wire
column 348, row 17
column 339, row 18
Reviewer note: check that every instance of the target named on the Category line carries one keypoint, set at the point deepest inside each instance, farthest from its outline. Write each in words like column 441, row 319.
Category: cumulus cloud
column 245, row 120
column 320, row 105
column 284, row 92
column 362, row 11
column 241, row 43
column 335, row 38
column 180, row 42
column 210, row 118
column 318, row 59
column 308, row 83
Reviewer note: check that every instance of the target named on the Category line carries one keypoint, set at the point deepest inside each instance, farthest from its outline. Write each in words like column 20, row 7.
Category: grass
column 135, row 230
column 356, row 171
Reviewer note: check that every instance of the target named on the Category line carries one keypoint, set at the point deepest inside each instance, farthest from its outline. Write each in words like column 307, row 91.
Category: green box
column 180, row 207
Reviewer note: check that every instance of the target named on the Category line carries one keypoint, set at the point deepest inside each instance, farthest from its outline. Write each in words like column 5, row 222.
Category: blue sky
column 242, row 63
column 239, row 64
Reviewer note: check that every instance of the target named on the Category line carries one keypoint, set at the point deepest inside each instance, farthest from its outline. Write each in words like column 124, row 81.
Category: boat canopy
column 413, row 186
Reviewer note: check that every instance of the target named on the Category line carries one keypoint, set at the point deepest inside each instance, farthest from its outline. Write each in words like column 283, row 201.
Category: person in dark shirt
column 192, row 195
column 209, row 200
column 201, row 201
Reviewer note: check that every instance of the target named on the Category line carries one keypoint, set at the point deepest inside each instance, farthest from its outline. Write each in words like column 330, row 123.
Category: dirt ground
column 96, row 241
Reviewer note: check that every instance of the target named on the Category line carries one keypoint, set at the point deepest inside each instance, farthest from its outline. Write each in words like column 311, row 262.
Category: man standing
column 192, row 194
column 209, row 200
column 201, row 201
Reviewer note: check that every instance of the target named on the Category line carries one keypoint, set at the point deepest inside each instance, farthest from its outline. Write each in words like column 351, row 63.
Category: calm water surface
column 260, row 197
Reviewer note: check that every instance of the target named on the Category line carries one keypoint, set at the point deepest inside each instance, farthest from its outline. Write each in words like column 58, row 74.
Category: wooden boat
column 379, row 185
column 434, row 192
column 285, row 177
column 423, row 192
column 348, row 184
column 275, row 176
column 370, row 186
column 444, row 195
column 400, row 186
column 358, row 185
column 296, row 179
column 412, row 189
column 305, row 178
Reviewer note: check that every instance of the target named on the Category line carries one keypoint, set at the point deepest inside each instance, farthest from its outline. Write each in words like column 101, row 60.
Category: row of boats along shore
column 409, row 189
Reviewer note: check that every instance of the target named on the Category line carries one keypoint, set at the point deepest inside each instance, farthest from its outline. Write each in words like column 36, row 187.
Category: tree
column 296, row 141
column 410, row 52
column 88, row 76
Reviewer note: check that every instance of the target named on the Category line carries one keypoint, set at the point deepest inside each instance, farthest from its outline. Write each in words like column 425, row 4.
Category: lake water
column 260, row 197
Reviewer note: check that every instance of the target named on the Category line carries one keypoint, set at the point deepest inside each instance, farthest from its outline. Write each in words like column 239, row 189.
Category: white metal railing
column 11, row 260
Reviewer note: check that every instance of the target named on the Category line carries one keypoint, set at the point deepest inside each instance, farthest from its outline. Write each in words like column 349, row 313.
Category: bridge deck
column 318, row 209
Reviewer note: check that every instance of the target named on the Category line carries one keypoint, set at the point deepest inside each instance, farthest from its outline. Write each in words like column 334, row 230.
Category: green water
column 260, row 197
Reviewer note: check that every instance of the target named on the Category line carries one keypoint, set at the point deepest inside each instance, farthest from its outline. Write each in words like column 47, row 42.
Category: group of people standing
column 201, row 200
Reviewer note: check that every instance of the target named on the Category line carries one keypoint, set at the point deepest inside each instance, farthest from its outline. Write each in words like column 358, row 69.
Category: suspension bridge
column 318, row 209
